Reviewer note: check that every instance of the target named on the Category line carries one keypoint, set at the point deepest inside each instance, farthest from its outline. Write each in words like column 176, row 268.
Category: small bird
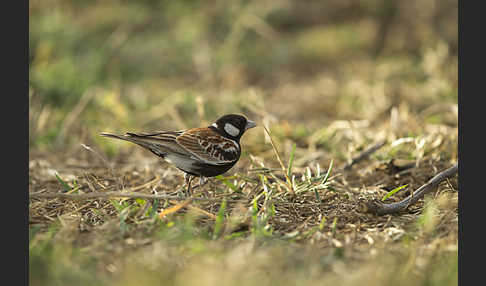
column 198, row 152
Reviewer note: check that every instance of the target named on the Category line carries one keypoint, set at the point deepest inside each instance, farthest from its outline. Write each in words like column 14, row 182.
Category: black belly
column 206, row 170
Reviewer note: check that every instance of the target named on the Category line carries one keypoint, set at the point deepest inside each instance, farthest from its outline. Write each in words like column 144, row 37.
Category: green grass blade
column 317, row 195
column 392, row 192
column 322, row 223
column 153, row 209
column 218, row 224
column 333, row 226
column 328, row 172
column 227, row 183
column 64, row 185
column 117, row 205
column 291, row 161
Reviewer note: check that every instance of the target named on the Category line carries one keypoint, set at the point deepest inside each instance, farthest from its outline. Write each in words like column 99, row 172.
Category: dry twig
column 284, row 169
column 377, row 207
column 365, row 154
column 114, row 194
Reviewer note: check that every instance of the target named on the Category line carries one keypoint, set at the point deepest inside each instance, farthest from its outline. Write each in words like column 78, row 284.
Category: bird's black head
column 233, row 125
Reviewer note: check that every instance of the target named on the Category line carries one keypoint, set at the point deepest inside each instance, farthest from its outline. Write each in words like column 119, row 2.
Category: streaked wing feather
column 209, row 146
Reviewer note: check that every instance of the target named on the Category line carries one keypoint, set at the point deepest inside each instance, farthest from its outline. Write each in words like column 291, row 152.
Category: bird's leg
column 202, row 182
column 188, row 179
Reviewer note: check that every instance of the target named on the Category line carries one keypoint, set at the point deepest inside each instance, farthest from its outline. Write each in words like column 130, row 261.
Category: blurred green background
column 113, row 65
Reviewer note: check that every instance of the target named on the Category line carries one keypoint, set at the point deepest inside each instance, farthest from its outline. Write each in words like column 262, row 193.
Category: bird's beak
column 250, row 124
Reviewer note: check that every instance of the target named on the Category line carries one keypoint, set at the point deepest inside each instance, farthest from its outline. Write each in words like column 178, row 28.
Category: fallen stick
column 379, row 208
column 114, row 194
column 365, row 154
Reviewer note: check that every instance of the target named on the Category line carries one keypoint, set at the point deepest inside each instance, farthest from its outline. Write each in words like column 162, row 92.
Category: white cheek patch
column 214, row 125
column 231, row 130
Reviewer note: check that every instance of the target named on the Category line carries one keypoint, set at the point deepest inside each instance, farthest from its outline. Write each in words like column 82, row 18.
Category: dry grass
column 310, row 237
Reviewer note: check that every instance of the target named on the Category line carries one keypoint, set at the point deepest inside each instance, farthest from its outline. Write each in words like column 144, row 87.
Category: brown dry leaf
column 175, row 208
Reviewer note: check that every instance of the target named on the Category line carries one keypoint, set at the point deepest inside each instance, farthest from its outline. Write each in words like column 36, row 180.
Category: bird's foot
column 202, row 182
column 188, row 179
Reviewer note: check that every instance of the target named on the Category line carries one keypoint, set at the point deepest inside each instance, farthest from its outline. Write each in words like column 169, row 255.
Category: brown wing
column 209, row 146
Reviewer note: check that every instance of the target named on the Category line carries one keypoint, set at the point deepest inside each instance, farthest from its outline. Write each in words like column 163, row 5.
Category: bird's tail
column 139, row 140
column 126, row 138
column 130, row 137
